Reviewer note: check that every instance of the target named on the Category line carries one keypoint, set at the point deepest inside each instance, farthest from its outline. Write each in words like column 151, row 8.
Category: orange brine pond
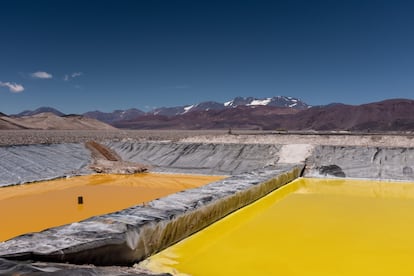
column 38, row 206
column 308, row 227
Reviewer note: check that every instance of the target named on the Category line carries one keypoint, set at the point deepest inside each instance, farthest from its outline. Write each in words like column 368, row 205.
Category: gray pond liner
column 198, row 158
column 361, row 162
column 22, row 164
column 135, row 233
column 8, row 267
column 30, row 163
column 132, row 234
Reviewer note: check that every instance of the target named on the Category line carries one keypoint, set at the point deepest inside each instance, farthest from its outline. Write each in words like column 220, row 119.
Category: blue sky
column 79, row 56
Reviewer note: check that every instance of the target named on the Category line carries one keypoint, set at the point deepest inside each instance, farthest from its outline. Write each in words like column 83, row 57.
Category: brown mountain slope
column 51, row 121
column 389, row 115
column 396, row 114
column 242, row 117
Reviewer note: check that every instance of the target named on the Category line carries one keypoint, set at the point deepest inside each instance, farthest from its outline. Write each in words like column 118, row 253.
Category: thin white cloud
column 13, row 87
column 77, row 74
column 41, row 75
column 68, row 77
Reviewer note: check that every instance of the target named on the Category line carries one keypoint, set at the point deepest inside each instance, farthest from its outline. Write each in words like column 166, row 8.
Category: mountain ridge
column 276, row 101
column 43, row 109
column 388, row 115
column 128, row 114
column 265, row 114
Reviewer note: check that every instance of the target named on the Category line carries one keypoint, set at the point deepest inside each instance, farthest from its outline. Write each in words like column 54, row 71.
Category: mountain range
column 131, row 114
column 276, row 113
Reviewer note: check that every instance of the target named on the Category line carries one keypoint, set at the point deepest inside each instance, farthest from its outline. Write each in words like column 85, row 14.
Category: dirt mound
column 102, row 152
column 106, row 160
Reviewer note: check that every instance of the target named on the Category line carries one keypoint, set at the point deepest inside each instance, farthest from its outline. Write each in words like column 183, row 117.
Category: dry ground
column 51, row 121
column 25, row 137
column 338, row 139
column 21, row 137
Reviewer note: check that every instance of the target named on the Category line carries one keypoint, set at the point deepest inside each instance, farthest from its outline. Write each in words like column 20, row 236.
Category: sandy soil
column 52, row 121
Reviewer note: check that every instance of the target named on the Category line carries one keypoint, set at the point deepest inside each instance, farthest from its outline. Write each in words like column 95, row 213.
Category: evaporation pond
column 35, row 207
column 308, row 227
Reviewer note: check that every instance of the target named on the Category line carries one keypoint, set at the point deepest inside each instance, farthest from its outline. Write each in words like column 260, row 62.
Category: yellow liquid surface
column 308, row 227
column 38, row 206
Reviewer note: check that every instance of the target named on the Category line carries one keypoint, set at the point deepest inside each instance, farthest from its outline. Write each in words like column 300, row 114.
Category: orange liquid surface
column 38, row 206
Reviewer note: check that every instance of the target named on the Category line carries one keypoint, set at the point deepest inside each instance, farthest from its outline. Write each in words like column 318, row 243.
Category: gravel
column 25, row 137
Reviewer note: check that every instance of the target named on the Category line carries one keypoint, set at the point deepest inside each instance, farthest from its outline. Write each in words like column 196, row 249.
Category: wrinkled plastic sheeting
column 22, row 164
column 219, row 159
column 135, row 233
column 52, row 269
column 361, row 162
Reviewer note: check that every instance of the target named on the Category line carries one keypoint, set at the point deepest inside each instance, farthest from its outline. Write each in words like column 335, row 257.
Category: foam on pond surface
column 35, row 207
column 308, row 227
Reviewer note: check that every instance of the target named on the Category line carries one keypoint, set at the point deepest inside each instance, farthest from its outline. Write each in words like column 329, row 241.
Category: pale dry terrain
column 25, row 137
column 51, row 121
column 339, row 139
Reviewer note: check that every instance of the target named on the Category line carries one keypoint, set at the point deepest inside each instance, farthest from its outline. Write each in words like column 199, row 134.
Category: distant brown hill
column 52, row 121
column 241, row 117
column 389, row 115
column 44, row 109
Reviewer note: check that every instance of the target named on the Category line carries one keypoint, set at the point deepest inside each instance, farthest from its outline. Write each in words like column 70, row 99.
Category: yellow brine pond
column 38, row 206
column 308, row 227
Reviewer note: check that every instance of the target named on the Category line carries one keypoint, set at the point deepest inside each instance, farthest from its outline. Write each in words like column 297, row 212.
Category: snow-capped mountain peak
column 260, row 102
column 188, row 108
column 278, row 101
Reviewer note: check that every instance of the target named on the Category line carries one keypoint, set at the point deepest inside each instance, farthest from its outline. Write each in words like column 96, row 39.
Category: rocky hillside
column 390, row 115
column 277, row 113
column 277, row 101
column 241, row 117
column 117, row 115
